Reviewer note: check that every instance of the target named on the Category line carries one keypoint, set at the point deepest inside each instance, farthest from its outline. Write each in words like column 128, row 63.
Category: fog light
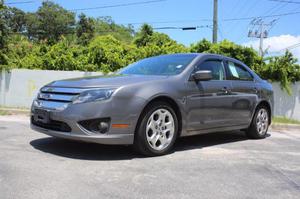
column 100, row 125
column 103, row 127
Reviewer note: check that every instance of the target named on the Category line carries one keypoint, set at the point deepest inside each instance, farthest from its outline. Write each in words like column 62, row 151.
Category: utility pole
column 262, row 35
column 260, row 29
column 215, row 22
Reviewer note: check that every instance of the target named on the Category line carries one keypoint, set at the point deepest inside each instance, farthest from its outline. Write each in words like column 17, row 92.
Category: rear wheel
column 260, row 124
column 157, row 130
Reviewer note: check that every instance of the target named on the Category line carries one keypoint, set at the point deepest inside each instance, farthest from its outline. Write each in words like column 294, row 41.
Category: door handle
column 255, row 90
column 225, row 90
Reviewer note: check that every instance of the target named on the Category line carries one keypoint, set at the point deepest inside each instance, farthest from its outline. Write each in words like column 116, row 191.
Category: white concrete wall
column 287, row 105
column 19, row 86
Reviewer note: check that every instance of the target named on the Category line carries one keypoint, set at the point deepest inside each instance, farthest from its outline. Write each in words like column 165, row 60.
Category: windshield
column 161, row 65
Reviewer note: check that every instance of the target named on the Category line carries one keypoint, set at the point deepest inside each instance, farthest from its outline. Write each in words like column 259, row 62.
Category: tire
column 260, row 124
column 157, row 130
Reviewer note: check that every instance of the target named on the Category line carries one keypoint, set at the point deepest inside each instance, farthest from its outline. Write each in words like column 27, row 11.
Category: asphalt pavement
column 220, row 165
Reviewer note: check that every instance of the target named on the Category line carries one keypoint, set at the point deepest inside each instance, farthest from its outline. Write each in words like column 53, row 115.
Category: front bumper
column 120, row 111
column 122, row 139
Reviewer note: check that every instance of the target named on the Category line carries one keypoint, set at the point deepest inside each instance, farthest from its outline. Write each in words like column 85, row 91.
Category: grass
column 4, row 112
column 284, row 120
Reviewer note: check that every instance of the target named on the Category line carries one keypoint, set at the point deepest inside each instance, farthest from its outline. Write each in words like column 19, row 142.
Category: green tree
column 14, row 19
column 283, row 69
column 202, row 46
column 154, row 43
column 106, row 26
column 85, row 29
column 245, row 54
column 2, row 4
column 159, row 43
column 3, row 37
column 19, row 47
column 102, row 45
column 3, row 26
column 50, row 22
column 144, row 35
column 107, row 53
column 65, row 55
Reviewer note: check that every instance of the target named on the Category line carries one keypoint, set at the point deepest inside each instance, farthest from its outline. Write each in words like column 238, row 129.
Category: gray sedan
column 153, row 101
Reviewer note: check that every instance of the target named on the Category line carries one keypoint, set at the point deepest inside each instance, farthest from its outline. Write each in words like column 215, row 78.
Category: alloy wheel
column 160, row 129
column 262, row 121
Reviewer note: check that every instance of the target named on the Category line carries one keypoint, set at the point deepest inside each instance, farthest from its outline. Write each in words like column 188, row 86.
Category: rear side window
column 215, row 66
column 237, row 72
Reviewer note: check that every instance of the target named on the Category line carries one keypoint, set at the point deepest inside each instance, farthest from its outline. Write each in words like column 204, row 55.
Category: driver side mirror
column 202, row 75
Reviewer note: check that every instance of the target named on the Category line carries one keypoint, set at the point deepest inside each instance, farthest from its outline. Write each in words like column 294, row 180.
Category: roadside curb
column 279, row 126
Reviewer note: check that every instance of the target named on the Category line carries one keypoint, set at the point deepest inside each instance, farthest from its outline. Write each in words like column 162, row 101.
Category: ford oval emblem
column 46, row 96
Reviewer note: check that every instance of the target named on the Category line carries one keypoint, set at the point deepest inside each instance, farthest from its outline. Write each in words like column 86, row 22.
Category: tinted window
column 216, row 67
column 238, row 72
column 161, row 65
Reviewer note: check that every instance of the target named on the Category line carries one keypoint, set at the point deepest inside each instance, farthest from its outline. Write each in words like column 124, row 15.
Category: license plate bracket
column 41, row 115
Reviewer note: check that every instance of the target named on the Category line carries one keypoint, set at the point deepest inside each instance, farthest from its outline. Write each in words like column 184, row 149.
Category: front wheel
column 260, row 124
column 157, row 130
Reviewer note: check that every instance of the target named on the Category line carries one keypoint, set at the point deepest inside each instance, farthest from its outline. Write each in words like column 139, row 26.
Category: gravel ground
column 223, row 165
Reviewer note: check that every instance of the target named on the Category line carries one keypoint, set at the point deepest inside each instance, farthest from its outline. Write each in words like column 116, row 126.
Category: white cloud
column 277, row 43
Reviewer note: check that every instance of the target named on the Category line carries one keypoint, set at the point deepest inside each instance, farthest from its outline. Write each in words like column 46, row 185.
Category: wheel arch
column 266, row 104
column 170, row 101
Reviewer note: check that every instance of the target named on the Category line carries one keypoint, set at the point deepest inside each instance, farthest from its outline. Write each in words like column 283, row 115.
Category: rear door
column 245, row 90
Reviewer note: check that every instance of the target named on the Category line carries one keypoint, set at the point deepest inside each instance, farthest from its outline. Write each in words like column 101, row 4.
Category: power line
column 220, row 32
column 19, row 2
column 291, row 47
column 108, row 31
column 178, row 21
column 234, row 12
column 228, row 19
column 167, row 22
column 182, row 28
column 273, row 9
column 253, row 5
column 118, row 5
column 98, row 7
column 284, row 1
column 280, row 7
column 263, row 16
column 260, row 32
column 234, row 25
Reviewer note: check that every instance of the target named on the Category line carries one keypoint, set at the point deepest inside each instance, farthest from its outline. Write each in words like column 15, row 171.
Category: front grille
column 59, row 94
column 52, row 125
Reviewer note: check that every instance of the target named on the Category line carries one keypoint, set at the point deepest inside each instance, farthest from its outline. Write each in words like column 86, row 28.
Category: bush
column 107, row 54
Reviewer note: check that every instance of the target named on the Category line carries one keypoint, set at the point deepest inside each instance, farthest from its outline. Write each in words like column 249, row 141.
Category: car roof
column 207, row 54
column 199, row 55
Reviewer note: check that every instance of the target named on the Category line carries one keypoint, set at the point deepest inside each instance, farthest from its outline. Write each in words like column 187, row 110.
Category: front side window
column 238, row 72
column 215, row 66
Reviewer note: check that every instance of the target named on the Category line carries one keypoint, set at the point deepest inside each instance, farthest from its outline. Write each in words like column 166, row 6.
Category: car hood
column 105, row 81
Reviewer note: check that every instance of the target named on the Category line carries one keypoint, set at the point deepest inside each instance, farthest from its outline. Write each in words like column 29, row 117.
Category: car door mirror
column 202, row 75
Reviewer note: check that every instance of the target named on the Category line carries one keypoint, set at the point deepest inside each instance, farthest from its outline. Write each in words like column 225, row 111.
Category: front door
column 211, row 103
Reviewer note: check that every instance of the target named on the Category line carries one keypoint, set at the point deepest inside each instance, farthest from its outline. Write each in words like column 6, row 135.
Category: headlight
column 93, row 95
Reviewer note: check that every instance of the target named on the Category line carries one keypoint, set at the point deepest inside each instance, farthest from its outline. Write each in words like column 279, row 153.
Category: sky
column 285, row 31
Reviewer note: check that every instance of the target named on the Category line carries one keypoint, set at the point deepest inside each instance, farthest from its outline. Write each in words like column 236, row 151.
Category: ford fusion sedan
column 152, row 102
